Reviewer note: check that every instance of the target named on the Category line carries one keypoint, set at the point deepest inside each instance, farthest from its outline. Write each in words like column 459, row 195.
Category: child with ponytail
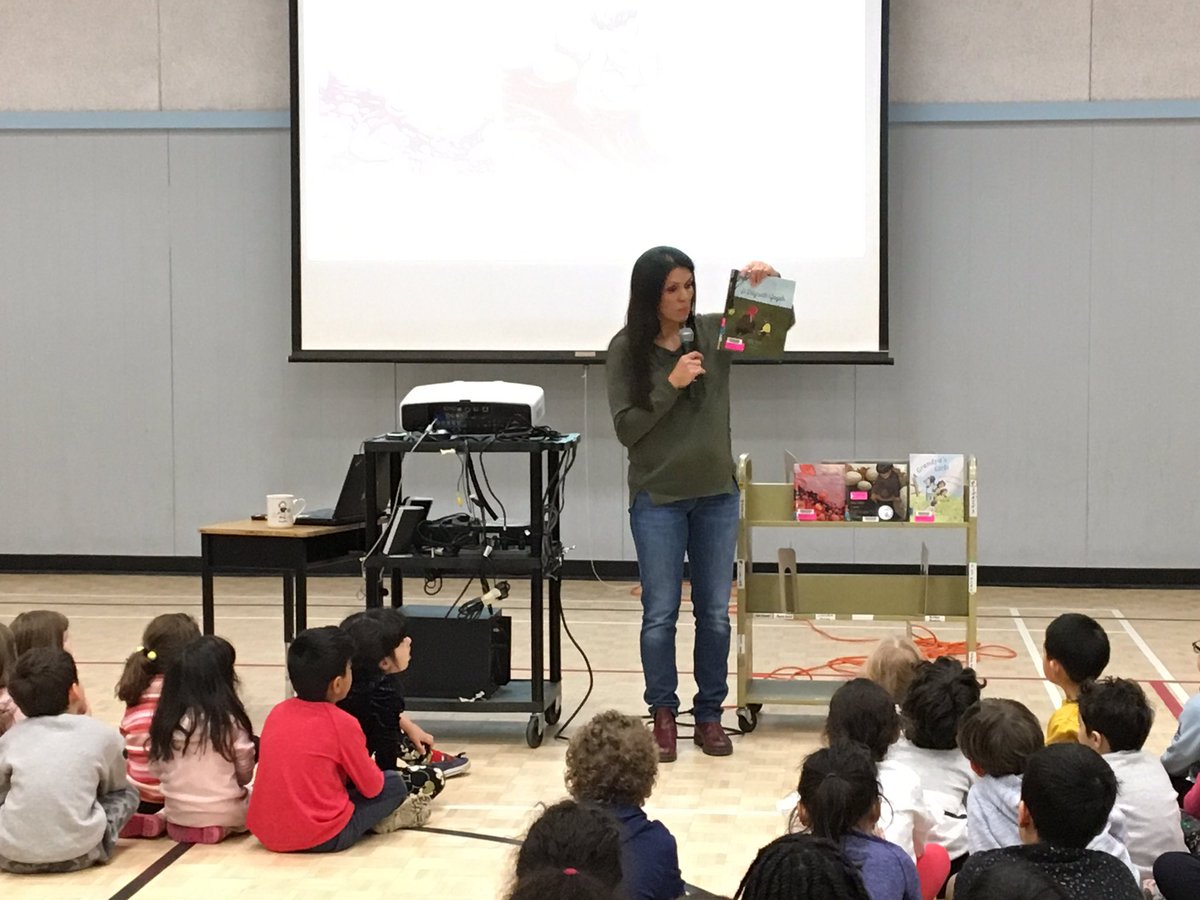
column 140, row 687
column 839, row 801
column 202, row 746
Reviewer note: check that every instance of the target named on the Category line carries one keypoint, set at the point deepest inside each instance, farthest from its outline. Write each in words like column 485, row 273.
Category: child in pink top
column 202, row 749
column 140, row 687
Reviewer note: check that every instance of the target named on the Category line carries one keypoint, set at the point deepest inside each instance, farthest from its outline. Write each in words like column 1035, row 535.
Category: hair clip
column 570, row 871
column 149, row 654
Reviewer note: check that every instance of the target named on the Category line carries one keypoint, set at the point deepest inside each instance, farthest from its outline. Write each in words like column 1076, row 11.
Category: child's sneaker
column 144, row 825
column 412, row 813
column 449, row 765
column 209, row 834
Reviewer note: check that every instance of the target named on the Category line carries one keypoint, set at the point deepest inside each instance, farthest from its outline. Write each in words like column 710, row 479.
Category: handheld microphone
column 687, row 340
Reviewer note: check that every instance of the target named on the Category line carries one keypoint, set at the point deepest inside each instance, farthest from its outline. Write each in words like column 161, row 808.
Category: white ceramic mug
column 282, row 509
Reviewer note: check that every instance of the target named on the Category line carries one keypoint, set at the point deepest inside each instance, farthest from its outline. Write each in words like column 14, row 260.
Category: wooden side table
column 248, row 546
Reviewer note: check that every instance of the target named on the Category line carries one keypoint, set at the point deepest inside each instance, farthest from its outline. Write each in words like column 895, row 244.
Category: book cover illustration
column 935, row 486
column 820, row 492
column 757, row 318
column 877, row 492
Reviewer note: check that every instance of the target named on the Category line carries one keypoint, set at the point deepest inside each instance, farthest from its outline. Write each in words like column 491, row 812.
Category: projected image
column 500, row 157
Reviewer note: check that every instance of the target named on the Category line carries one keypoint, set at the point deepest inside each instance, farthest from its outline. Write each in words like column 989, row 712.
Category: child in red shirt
column 310, row 749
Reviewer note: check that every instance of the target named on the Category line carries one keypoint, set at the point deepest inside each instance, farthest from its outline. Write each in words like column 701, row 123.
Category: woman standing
column 670, row 407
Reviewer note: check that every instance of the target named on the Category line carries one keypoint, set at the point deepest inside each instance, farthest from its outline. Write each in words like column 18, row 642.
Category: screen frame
column 299, row 354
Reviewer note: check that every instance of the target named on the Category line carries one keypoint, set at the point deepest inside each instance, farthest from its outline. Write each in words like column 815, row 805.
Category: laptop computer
column 351, row 505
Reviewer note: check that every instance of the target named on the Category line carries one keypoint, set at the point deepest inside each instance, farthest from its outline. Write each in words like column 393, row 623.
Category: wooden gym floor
column 720, row 810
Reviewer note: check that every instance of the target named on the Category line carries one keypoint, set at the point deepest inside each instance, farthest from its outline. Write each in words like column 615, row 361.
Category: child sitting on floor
column 839, row 801
column 1115, row 720
column 46, row 628
column 892, row 665
column 140, row 687
column 64, row 796
column 310, row 749
column 382, row 651
column 202, row 746
column 8, row 660
column 613, row 762
column 1067, row 793
column 1076, row 650
column 941, row 691
column 574, row 839
column 1181, row 759
column 862, row 711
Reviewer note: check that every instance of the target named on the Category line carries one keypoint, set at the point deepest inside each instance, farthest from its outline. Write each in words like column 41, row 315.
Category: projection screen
column 473, row 180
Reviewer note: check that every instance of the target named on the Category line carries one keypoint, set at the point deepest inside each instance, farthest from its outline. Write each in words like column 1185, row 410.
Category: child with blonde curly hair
column 612, row 761
column 892, row 664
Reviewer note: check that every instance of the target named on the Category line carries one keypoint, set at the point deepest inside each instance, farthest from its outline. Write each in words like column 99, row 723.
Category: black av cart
column 538, row 561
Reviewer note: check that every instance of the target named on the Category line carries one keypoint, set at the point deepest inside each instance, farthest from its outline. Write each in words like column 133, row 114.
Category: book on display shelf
column 820, row 492
column 877, row 492
column 935, row 487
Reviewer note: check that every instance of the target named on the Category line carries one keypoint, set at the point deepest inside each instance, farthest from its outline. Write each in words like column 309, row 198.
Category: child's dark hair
column 199, row 693
column 941, row 691
column 39, row 628
column 8, row 654
column 1116, row 708
column 861, row 710
column 163, row 639
column 1069, row 791
column 998, row 735
column 315, row 658
column 801, row 867
column 573, row 835
column 561, row 884
column 838, row 787
column 376, row 634
column 1079, row 644
column 41, row 681
column 1014, row 878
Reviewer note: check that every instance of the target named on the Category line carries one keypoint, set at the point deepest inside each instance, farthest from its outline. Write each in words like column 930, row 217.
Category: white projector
column 473, row 407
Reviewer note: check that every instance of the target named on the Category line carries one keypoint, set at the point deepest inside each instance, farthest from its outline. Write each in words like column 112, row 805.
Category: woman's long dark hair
column 641, row 319
column 200, row 686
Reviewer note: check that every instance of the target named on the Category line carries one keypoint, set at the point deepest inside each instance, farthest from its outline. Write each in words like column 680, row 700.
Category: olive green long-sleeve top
column 679, row 448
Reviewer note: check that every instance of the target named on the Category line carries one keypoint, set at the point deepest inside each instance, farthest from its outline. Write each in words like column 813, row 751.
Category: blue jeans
column 705, row 529
column 368, row 811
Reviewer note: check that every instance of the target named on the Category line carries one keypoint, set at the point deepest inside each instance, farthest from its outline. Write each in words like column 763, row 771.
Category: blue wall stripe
column 898, row 114
column 1056, row 111
column 146, row 120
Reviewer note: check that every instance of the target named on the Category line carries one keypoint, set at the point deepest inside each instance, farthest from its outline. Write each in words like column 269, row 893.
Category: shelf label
column 741, row 574
column 826, row 617
column 742, row 504
column 935, row 618
column 862, row 617
column 741, row 645
column 972, row 577
column 972, row 659
column 974, row 511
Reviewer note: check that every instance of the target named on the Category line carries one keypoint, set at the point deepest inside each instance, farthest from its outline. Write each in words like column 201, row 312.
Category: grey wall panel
column 989, row 322
column 1144, row 379
column 247, row 422
column 78, row 54
column 1145, row 49
column 224, row 54
column 85, row 446
column 989, row 50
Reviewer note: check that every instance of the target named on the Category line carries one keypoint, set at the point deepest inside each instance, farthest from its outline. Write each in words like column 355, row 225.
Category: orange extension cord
column 930, row 645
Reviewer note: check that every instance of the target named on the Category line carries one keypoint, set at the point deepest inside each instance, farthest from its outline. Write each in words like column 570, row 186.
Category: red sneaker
column 447, row 764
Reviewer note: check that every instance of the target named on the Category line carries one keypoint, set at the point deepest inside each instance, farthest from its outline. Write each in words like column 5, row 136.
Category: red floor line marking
column 1169, row 700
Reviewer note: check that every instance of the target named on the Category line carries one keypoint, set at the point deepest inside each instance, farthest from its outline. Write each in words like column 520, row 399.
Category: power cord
column 558, row 735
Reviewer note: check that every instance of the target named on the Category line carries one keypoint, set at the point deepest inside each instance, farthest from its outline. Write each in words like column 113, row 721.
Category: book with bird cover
column 757, row 317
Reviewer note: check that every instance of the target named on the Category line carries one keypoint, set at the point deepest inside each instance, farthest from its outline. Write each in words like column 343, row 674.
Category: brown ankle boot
column 712, row 739
column 665, row 734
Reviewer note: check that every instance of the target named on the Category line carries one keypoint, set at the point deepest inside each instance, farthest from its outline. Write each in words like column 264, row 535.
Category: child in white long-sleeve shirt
column 201, row 745
column 1115, row 720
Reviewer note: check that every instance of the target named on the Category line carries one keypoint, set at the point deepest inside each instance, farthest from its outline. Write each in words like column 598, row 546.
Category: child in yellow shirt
column 1075, row 650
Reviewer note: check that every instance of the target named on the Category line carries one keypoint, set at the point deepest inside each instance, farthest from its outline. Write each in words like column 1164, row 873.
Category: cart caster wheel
column 748, row 717
column 554, row 713
column 534, row 731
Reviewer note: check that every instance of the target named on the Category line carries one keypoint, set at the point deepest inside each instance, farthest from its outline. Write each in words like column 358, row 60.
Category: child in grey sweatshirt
column 64, row 796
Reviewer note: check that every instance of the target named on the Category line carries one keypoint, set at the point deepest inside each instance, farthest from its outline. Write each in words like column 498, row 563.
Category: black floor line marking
column 155, row 869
